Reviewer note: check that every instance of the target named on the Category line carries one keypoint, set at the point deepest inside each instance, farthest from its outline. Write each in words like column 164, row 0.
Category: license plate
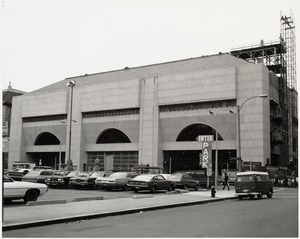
column 137, row 187
column 245, row 190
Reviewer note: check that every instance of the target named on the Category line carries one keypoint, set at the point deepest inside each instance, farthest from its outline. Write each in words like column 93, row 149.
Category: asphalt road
column 276, row 217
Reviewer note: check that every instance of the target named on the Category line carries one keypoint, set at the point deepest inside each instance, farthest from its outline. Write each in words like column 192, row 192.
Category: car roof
column 251, row 173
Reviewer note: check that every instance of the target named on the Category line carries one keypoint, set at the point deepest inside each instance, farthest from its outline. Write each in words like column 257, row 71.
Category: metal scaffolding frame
column 280, row 57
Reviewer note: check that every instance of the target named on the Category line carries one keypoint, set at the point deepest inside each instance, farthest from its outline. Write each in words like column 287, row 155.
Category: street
column 276, row 217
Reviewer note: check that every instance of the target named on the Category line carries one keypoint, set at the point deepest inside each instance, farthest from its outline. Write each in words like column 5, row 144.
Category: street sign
column 206, row 157
column 207, row 138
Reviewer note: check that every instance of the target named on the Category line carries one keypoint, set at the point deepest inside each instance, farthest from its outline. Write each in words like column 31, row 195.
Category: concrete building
column 148, row 115
column 7, row 96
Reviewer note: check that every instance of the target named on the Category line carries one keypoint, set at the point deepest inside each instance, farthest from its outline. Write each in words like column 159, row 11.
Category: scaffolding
column 280, row 57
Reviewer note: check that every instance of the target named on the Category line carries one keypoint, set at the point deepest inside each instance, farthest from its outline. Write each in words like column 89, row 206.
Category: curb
column 87, row 198
column 35, row 203
column 106, row 214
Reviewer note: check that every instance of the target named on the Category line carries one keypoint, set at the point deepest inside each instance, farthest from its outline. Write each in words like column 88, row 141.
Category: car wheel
column 108, row 189
column 31, row 195
column 259, row 195
column 94, row 186
column 170, row 188
column 125, row 188
column 153, row 189
column 197, row 187
column 185, row 186
column 135, row 190
column 252, row 197
column 240, row 197
column 270, row 194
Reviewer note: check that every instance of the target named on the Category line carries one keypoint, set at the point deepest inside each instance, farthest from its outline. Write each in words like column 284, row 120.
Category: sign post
column 206, row 154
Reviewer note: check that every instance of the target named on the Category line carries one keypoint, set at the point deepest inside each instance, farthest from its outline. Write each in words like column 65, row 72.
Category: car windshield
column 7, row 179
column 144, row 177
column 97, row 174
column 33, row 173
column 175, row 177
column 59, row 173
column 72, row 174
column 245, row 178
column 118, row 175
column 46, row 173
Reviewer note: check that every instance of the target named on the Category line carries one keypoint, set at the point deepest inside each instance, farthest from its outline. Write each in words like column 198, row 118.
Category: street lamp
column 216, row 151
column 70, row 84
column 239, row 124
column 59, row 160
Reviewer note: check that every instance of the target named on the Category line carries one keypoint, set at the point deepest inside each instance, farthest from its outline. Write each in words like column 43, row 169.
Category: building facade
column 7, row 96
column 148, row 115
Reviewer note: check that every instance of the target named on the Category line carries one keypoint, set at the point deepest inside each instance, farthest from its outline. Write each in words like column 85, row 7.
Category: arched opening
column 112, row 136
column 191, row 132
column 46, row 138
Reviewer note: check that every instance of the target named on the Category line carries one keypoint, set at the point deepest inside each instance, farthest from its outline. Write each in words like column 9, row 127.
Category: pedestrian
column 226, row 183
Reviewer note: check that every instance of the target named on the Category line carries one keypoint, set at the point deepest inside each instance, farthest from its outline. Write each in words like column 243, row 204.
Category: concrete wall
column 151, row 132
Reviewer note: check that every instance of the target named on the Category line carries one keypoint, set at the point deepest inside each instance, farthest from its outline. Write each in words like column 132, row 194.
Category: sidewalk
column 28, row 216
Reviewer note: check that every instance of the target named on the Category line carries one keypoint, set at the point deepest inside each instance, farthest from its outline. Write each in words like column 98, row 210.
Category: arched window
column 46, row 138
column 111, row 136
column 191, row 132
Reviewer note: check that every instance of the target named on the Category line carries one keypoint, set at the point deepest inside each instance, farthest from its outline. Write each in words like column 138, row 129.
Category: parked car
column 62, row 179
column 74, row 182
column 152, row 182
column 37, row 176
column 200, row 175
column 17, row 174
column 88, row 180
column 55, row 179
column 22, row 190
column 251, row 184
column 184, row 181
column 115, row 180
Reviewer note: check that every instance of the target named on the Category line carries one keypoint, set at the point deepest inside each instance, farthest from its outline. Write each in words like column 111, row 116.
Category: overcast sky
column 43, row 41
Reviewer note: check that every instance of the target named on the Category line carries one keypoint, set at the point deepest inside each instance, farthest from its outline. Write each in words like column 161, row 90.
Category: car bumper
column 246, row 193
column 55, row 183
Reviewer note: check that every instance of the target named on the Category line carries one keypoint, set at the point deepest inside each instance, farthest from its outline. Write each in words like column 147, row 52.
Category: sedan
column 37, row 176
column 22, row 190
column 87, row 180
column 116, row 180
column 152, row 182
column 184, row 181
column 61, row 180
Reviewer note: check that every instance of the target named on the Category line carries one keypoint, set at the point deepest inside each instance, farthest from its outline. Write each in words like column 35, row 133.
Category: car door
column 160, row 182
column 12, row 189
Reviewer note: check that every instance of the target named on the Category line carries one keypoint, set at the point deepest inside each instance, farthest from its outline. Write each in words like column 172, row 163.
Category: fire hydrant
column 213, row 191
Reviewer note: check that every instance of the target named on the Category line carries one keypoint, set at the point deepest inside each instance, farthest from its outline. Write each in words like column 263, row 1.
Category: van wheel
column 252, row 197
column 240, row 197
column 270, row 194
column 259, row 195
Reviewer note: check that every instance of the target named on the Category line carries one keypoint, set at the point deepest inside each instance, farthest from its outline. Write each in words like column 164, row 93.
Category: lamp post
column 216, row 151
column 70, row 84
column 59, row 160
column 239, row 124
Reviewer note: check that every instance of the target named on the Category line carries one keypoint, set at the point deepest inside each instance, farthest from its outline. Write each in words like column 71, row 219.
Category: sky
column 46, row 41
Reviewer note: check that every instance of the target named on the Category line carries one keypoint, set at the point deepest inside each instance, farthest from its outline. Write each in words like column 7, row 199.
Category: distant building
column 7, row 96
column 149, row 115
